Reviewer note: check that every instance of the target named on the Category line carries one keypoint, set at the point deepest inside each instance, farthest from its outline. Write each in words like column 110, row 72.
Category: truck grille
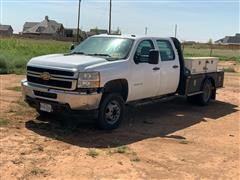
column 56, row 79
column 55, row 83
column 45, row 94
column 51, row 71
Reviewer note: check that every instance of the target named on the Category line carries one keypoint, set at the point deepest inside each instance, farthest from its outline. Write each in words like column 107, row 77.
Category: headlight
column 89, row 80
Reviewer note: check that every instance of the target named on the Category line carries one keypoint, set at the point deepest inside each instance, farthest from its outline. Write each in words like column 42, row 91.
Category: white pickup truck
column 105, row 72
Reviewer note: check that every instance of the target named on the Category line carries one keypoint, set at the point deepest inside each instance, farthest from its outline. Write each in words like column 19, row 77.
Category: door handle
column 156, row 68
column 175, row 66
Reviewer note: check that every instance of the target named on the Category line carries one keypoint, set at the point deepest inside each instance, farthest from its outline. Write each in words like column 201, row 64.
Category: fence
column 223, row 51
column 45, row 37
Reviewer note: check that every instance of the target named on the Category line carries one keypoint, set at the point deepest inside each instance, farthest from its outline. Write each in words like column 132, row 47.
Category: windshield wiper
column 71, row 53
column 77, row 53
column 82, row 53
column 99, row 54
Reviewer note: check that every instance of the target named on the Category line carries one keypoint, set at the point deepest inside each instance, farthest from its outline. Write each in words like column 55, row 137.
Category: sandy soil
column 165, row 140
column 229, row 64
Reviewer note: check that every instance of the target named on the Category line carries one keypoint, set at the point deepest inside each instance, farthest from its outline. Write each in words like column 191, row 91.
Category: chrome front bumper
column 75, row 100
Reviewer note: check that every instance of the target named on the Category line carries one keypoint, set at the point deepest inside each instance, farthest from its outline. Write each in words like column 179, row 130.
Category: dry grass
column 3, row 122
column 15, row 88
column 93, row 153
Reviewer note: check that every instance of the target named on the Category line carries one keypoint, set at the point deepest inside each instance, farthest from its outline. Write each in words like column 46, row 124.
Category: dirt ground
column 164, row 140
column 233, row 66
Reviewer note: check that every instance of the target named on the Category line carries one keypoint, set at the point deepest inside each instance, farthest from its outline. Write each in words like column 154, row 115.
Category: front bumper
column 73, row 100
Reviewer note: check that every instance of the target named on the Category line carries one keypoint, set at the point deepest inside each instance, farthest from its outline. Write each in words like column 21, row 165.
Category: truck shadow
column 158, row 119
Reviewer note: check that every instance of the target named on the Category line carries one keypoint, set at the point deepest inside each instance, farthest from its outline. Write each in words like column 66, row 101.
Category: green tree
column 118, row 31
column 210, row 41
column 96, row 30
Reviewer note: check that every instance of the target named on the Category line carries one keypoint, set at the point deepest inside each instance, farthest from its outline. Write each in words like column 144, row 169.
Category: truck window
column 142, row 52
column 166, row 50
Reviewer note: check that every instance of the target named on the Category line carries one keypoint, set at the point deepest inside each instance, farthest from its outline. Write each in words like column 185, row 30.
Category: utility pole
column 110, row 17
column 79, row 7
column 146, row 30
column 175, row 31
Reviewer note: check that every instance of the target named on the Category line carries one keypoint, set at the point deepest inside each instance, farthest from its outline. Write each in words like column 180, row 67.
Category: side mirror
column 153, row 57
column 72, row 47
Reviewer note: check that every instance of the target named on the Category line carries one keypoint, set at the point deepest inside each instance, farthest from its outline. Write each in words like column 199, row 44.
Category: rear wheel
column 111, row 111
column 206, row 95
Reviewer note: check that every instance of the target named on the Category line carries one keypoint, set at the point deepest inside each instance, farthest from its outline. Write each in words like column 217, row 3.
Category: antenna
column 175, row 31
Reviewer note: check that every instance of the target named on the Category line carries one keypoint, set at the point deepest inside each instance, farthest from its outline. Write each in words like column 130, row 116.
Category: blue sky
column 197, row 20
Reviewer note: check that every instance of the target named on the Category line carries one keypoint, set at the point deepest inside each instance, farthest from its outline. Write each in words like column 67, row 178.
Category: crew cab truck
column 105, row 72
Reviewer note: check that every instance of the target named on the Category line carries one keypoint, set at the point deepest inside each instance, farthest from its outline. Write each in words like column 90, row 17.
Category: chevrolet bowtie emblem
column 45, row 76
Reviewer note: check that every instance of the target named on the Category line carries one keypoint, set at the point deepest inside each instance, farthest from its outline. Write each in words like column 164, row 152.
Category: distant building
column 6, row 30
column 68, row 32
column 28, row 25
column 229, row 39
column 116, row 32
column 189, row 42
column 72, row 32
column 96, row 31
column 47, row 27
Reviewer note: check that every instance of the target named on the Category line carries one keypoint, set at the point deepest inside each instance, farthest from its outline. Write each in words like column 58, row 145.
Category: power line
column 146, row 30
column 110, row 17
column 79, row 7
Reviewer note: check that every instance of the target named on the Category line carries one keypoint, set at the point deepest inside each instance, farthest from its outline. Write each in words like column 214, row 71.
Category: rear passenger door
column 169, row 67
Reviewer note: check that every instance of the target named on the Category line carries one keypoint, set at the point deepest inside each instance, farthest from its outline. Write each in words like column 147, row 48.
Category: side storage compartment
column 211, row 64
column 193, row 83
column 198, row 65
column 195, row 65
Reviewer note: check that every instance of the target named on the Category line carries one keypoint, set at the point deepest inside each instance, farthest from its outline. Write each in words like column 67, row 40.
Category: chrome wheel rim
column 112, row 112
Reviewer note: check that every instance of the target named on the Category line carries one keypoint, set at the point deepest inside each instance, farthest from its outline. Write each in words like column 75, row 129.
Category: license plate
column 45, row 107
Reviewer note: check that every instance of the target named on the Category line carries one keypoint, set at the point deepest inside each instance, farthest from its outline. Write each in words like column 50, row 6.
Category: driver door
column 145, row 77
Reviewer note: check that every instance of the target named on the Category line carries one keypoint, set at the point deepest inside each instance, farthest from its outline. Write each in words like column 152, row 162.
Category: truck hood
column 75, row 61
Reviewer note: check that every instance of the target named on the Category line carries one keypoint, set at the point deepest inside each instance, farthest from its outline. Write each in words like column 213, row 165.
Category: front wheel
column 111, row 111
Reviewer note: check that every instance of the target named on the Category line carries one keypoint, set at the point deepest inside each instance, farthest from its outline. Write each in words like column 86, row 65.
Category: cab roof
column 128, row 36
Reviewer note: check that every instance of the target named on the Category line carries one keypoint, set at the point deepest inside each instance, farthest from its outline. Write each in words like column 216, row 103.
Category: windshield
column 112, row 48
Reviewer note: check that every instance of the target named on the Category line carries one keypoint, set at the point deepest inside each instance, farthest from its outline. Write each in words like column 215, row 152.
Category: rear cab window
column 166, row 50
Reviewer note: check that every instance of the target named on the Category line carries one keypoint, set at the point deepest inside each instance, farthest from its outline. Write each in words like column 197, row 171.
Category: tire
column 205, row 97
column 111, row 112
